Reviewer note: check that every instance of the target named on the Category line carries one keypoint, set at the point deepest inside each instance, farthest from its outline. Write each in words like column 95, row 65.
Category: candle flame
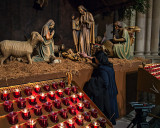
column 37, row 86
column 16, row 90
column 32, row 97
column 5, row 91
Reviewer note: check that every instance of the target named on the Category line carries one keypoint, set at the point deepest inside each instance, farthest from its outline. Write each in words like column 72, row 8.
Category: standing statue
column 46, row 49
column 86, row 31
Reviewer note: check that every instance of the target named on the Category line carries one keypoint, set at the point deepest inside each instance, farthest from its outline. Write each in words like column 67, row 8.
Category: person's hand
column 84, row 55
column 114, row 38
column 52, row 33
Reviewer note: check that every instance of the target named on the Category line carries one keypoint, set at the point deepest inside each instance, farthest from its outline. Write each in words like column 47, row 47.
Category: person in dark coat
column 101, row 88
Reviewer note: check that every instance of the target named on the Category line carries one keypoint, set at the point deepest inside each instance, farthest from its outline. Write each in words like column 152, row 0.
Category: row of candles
column 43, row 121
column 151, row 66
column 28, row 91
column 21, row 102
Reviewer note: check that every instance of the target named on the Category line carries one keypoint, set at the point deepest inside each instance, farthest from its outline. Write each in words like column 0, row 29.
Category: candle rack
column 51, row 105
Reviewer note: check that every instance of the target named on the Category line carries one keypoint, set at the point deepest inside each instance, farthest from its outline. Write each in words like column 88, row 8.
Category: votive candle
column 37, row 89
column 80, row 107
column 21, row 102
column 46, row 87
column 31, row 123
column 79, row 119
column 67, row 90
column 54, row 117
column 72, row 110
column 61, row 125
column 80, row 96
column 28, row 91
column 32, row 100
column 43, row 121
column 74, row 98
column 48, row 106
column 86, row 104
column 37, row 110
column 94, row 113
column 65, row 101
column 96, row 124
column 57, row 103
column 87, row 116
column 54, row 85
column 51, row 95
column 5, row 95
column 102, row 121
column 63, row 113
column 70, row 123
column 26, row 114
column 74, row 89
column 8, row 106
column 13, row 118
column 43, row 97
column 62, row 84
column 17, row 93
column 60, row 92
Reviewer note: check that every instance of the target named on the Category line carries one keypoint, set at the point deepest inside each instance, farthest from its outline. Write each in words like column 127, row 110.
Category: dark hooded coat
column 102, row 89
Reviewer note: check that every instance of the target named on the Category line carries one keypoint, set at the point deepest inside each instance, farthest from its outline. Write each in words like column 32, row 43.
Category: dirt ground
column 15, row 69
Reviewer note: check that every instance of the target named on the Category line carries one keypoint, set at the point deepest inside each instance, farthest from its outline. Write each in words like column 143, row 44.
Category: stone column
column 140, row 36
column 148, row 30
column 155, row 27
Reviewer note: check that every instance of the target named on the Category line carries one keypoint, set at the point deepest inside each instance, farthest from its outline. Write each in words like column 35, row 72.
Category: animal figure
column 20, row 48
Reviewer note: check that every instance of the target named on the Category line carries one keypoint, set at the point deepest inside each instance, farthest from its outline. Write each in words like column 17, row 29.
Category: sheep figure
column 20, row 48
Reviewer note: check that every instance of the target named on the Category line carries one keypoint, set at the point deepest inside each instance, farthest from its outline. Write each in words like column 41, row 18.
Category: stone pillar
column 155, row 27
column 140, row 36
column 148, row 30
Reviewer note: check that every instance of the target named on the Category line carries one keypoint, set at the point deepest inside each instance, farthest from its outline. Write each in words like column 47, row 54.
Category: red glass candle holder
column 37, row 89
column 67, row 90
column 46, row 87
column 43, row 121
column 65, row 101
column 74, row 89
column 102, row 122
column 54, row 85
column 62, row 84
column 32, row 100
column 8, row 106
column 61, row 125
column 31, row 123
column 28, row 91
column 86, row 104
column 79, row 119
column 21, row 102
column 26, row 114
column 37, row 110
column 48, row 106
column 57, row 103
column 96, row 124
column 51, row 95
column 60, row 92
column 94, row 113
column 70, row 123
column 16, row 126
column 54, row 117
column 63, row 113
column 80, row 96
column 87, row 116
column 5, row 95
column 74, row 98
column 80, row 107
column 17, row 93
column 43, row 97
column 72, row 110
column 13, row 118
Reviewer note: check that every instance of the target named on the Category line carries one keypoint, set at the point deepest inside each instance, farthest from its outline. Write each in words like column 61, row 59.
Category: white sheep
column 20, row 48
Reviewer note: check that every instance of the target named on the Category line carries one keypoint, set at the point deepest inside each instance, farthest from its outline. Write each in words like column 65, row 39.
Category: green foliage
column 138, row 5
